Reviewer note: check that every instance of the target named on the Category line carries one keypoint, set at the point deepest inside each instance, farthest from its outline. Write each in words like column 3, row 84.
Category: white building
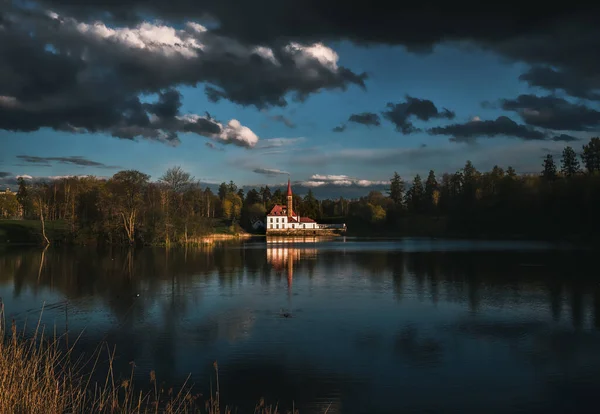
column 283, row 218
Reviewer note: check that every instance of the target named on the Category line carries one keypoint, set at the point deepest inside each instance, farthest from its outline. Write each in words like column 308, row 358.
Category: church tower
column 289, row 199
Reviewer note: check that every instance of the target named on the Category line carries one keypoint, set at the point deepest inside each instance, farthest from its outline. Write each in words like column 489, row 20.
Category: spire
column 290, row 211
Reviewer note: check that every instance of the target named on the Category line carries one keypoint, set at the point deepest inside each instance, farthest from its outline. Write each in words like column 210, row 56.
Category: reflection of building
column 283, row 219
column 284, row 257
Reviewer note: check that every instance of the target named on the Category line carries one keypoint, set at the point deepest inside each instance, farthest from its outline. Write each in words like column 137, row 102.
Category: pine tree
column 591, row 156
column 431, row 191
column 414, row 196
column 570, row 164
column 396, row 191
column 549, row 172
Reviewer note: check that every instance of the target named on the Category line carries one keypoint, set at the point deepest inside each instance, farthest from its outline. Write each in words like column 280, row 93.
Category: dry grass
column 38, row 375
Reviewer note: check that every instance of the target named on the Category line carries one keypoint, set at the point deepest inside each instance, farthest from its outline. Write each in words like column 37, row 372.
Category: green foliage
column 129, row 208
column 9, row 206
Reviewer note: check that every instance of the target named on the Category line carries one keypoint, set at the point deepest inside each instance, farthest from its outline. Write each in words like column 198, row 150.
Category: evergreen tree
column 223, row 190
column 591, row 156
column 549, row 172
column 432, row 192
column 240, row 194
column 414, row 196
column 396, row 191
column 266, row 195
column 570, row 164
column 310, row 206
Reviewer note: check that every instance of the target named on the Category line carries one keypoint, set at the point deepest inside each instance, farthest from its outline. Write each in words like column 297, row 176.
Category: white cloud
column 303, row 55
column 232, row 133
column 236, row 133
column 329, row 177
column 154, row 38
column 317, row 180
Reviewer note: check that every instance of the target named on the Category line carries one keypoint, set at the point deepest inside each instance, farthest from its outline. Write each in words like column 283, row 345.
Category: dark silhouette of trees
column 549, row 172
column 591, row 156
column 569, row 163
column 396, row 191
column 415, row 196
column 128, row 208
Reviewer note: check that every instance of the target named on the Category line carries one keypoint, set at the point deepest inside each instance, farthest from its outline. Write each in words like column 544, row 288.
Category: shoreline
column 26, row 233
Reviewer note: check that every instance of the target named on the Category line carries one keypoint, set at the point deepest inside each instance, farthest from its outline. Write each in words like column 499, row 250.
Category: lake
column 374, row 326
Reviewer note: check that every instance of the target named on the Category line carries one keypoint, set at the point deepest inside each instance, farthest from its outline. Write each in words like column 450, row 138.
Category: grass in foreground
column 38, row 377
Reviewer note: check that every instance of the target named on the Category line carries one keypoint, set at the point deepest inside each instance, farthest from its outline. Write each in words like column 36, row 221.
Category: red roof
column 289, row 191
column 278, row 210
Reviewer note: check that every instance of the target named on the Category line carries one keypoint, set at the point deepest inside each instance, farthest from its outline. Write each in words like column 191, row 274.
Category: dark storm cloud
column 573, row 84
column 553, row 113
column 167, row 106
column 418, row 25
column 269, row 171
column 365, row 118
column 72, row 160
column 339, row 128
column 73, row 76
column 501, row 126
column 400, row 114
column 564, row 35
column 565, row 138
column 4, row 174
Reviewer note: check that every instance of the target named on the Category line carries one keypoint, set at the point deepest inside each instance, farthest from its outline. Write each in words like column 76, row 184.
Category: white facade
column 280, row 222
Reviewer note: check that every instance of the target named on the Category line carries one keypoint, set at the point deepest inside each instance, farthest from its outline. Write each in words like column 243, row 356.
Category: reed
column 39, row 374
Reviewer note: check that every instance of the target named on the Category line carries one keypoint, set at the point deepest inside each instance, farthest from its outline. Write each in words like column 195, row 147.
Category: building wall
column 281, row 223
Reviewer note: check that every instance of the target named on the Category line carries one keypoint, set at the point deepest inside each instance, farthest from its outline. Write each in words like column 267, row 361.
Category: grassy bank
column 30, row 231
column 39, row 376
column 59, row 232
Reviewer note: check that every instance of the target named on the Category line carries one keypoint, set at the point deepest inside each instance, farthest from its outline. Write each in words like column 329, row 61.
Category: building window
column 271, row 220
column 304, row 226
column 293, row 226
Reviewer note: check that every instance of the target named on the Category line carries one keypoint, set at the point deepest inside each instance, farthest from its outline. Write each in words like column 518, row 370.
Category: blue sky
column 458, row 76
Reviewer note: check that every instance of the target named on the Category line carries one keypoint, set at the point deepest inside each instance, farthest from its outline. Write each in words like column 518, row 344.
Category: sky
column 333, row 96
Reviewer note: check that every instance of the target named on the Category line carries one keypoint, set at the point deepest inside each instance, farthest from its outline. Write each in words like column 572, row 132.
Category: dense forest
column 561, row 202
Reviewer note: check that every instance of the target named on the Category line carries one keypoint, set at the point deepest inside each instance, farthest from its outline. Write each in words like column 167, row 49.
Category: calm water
column 377, row 326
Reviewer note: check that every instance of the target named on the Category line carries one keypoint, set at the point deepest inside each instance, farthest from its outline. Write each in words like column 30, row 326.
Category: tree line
column 128, row 208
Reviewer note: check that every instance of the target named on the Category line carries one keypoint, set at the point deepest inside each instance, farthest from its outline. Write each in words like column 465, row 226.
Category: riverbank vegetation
column 41, row 375
column 128, row 208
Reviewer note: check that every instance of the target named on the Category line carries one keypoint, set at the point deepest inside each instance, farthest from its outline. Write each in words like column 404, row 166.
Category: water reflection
column 377, row 327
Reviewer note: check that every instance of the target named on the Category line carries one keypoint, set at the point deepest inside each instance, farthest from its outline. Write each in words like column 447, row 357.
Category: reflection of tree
column 115, row 276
